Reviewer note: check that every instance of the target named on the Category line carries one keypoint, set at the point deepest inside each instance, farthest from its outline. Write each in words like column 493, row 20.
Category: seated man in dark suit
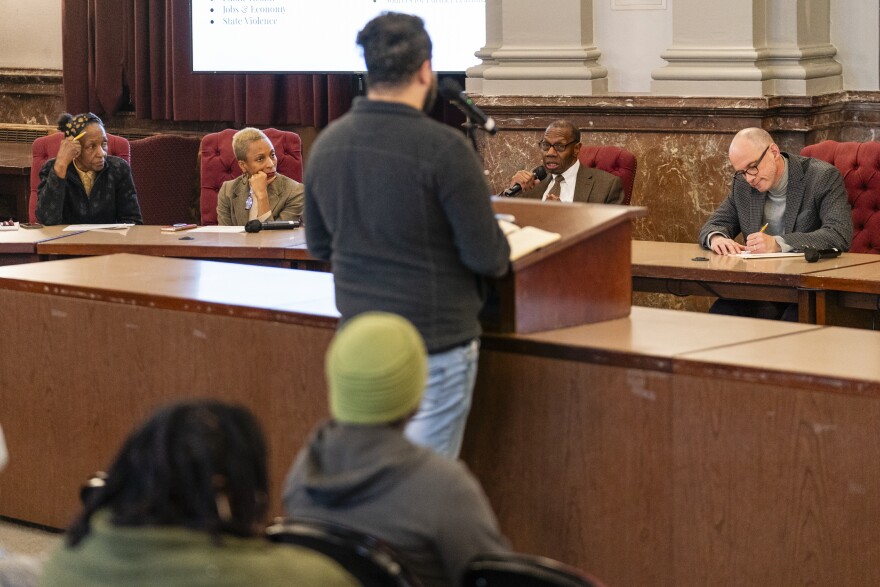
column 360, row 471
column 779, row 202
column 567, row 180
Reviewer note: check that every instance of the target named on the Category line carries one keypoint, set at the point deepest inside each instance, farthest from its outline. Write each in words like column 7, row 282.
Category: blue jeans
column 439, row 423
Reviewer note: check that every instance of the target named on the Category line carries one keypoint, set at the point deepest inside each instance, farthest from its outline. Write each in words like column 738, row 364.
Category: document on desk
column 748, row 255
column 85, row 227
column 226, row 229
column 523, row 240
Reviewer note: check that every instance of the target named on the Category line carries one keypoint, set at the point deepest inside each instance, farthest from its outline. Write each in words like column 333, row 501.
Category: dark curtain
column 119, row 54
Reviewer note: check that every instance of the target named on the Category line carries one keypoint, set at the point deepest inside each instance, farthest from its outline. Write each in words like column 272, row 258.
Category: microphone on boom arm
column 452, row 91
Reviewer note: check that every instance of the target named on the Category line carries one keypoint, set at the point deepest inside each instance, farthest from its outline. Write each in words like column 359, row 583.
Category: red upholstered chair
column 45, row 148
column 615, row 161
column 166, row 175
column 219, row 164
column 859, row 163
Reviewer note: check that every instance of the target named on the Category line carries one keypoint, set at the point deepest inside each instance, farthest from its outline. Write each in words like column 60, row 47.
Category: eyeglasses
column 558, row 147
column 751, row 170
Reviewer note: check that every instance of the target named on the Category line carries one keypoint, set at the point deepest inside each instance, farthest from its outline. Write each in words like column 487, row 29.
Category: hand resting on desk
column 722, row 245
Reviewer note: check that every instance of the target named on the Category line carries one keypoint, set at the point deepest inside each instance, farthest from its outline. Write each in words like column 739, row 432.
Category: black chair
column 522, row 570
column 368, row 559
column 92, row 485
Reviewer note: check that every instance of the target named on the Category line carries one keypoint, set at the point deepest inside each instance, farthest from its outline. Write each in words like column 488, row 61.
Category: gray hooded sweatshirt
column 429, row 508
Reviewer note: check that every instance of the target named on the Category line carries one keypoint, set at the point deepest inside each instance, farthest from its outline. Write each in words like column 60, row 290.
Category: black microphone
column 452, row 91
column 539, row 172
column 812, row 255
column 257, row 226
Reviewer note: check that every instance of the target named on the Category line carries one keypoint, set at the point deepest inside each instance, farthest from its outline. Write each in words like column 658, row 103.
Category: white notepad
column 225, row 229
column 84, row 227
column 748, row 255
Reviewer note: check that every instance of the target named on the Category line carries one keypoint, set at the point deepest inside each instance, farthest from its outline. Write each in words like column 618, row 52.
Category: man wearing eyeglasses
column 567, row 180
column 779, row 202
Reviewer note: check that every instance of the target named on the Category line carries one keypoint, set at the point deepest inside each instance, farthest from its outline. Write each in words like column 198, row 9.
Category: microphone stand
column 470, row 130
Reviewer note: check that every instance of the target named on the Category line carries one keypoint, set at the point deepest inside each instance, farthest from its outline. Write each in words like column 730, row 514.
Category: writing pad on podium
column 583, row 277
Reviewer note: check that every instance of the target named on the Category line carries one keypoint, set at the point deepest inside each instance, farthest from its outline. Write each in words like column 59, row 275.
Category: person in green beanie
column 359, row 470
column 185, row 503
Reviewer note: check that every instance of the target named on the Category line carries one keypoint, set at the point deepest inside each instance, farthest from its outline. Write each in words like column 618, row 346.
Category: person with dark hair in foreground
column 83, row 184
column 185, row 503
column 567, row 180
column 400, row 206
column 359, row 471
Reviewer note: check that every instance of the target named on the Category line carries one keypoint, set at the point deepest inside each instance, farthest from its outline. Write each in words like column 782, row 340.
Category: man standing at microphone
column 399, row 204
column 567, row 180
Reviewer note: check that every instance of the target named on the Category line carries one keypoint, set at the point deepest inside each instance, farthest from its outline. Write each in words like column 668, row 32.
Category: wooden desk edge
column 169, row 303
column 505, row 343
column 683, row 365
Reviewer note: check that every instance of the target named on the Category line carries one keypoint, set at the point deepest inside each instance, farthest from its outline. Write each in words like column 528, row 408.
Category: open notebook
column 525, row 239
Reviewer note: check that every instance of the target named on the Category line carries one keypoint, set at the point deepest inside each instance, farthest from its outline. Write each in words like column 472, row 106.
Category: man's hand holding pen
column 761, row 242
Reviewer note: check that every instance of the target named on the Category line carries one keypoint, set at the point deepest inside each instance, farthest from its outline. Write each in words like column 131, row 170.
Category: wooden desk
column 849, row 288
column 20, row 246
column 679, row 449
column 91, row 346
column 662, row 267
column 266, row 247
column 15, row 183
column 666, row 448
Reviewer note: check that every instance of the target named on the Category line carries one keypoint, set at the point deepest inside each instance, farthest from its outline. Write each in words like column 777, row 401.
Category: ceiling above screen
column 318, row 36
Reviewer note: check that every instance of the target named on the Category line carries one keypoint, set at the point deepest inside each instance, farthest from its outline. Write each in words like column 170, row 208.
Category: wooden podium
column 582, row 278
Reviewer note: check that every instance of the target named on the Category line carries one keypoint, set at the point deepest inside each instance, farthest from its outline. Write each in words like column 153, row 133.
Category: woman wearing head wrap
column 83, row 184
column 260, row 192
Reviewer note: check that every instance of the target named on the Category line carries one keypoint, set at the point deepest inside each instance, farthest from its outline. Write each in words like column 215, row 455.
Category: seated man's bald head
column 753, row 136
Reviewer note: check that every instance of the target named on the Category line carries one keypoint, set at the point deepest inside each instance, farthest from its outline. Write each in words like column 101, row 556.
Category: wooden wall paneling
column 97, row 369
column 576, row 459
column 774, row 486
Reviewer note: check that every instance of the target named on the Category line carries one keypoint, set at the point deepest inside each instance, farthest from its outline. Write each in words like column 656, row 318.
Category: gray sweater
column 400, row 206
column 429, row 508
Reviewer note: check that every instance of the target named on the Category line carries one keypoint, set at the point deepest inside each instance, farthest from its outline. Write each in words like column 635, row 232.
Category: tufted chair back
column 166, row 171
column 859, row 163
column 45, row 148
column 615, row 161
column 218, row 164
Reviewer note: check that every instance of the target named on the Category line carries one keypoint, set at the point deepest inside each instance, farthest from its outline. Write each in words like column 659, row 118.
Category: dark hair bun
column 64, row 120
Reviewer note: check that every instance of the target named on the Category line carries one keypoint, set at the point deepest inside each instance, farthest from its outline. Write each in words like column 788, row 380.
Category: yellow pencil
column 80, row 135
column 763, row 228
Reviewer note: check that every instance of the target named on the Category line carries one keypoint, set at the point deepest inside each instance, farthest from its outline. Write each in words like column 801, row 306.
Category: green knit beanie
column 377, row 367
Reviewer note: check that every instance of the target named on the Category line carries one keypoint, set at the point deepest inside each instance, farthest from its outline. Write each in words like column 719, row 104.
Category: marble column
column 755, row 48
column 538, row 50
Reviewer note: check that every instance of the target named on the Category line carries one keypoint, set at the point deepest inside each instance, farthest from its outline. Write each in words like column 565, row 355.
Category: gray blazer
column 286, row 198
column 817, row 212
column 592, row 186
